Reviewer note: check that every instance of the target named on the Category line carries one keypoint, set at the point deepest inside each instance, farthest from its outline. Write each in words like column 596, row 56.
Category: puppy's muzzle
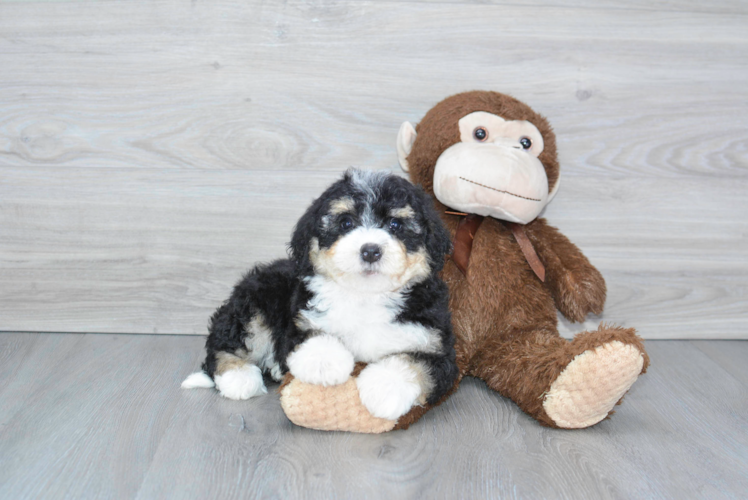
column 371, row 253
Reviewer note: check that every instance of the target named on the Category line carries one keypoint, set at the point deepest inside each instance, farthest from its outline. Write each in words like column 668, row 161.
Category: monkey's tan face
column 494, row 170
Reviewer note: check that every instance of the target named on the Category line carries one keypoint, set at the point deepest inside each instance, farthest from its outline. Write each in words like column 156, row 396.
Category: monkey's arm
column 578, row 289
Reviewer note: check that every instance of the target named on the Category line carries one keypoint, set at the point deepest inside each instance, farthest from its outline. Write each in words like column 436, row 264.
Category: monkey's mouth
column 500, row 190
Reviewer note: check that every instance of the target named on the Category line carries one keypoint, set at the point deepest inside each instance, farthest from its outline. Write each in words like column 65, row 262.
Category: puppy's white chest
column 365, row 323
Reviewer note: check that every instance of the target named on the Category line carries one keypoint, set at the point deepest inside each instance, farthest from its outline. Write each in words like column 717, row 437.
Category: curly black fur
column 277, row 292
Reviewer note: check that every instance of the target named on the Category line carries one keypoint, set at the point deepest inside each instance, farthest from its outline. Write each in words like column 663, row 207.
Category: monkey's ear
column 553, row 192
column 406, row 136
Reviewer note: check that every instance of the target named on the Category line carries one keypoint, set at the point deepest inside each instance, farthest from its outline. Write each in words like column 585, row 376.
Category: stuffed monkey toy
column 490, row 162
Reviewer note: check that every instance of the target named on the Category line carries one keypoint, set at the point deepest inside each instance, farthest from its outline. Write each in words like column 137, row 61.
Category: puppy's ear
column 308, row 226
column 303, row 233
column 438, row 239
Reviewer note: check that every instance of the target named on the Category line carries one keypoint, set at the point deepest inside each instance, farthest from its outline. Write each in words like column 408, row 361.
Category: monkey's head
column 484, row 153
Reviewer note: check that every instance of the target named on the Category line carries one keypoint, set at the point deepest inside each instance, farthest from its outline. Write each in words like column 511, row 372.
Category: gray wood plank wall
column 152, row 151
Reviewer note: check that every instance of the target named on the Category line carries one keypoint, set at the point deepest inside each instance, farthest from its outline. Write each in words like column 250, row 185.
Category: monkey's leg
column 339, row 408
column 567, row 384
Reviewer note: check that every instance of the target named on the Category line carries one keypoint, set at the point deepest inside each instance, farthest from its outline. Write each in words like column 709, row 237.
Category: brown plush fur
column 504, row 317
column 438, row 130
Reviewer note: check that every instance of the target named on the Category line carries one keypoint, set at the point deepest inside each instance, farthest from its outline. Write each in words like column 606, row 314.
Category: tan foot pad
column 336, row 408
column 592, row 384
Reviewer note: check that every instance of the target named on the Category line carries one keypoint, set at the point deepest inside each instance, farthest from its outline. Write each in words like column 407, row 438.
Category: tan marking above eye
column 342, row 206
column 500, row 131
column 405, row 212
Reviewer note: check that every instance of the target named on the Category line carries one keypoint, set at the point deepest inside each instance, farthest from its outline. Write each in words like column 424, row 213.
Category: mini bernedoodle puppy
column 362, row 284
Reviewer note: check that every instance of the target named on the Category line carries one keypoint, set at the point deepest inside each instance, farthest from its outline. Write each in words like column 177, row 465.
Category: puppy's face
column 372, row 232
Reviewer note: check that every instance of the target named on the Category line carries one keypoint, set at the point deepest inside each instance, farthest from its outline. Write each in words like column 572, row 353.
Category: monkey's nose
column 371, row 253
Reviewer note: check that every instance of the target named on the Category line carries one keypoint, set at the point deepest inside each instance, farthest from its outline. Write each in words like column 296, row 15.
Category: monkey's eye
column 346, row 223
column 395, row 225
column 480, row 134
column 525, row 142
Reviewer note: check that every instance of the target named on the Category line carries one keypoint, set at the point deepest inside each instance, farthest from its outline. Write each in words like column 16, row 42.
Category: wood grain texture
column 730, row 356
column 151, row 151
column 695, row 6
column 83, row 415
column 167, row 84
column 155, row 251
column 102, row 416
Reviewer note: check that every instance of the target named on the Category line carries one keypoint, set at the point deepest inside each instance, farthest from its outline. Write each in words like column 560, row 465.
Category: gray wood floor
column 102, row 416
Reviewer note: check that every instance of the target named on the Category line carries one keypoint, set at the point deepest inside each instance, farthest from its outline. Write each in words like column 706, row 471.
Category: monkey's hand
column 577, row 293
column 577, row 287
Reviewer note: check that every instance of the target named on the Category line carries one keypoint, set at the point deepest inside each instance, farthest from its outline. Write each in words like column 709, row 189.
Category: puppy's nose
column 371, row 253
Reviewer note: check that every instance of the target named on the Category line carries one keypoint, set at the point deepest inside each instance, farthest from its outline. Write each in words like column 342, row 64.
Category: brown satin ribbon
column 518, row 230
column 465, row 234
column 463, row 243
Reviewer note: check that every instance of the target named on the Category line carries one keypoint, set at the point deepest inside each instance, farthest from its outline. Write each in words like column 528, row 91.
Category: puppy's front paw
column 321, row 360
column 388, row 388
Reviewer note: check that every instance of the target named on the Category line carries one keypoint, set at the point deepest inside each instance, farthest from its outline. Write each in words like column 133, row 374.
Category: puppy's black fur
column 267, row 289
column 278, row 292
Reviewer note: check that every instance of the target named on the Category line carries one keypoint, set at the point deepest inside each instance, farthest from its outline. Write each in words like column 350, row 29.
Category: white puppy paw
column 241, row 383
column 388, row 388
column 321, row 360
column 276, row 372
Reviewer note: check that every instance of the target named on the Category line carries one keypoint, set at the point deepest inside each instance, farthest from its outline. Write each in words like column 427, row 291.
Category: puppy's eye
column 395, row 225
column 525, row 142
column 346, row 223
column 480, row 134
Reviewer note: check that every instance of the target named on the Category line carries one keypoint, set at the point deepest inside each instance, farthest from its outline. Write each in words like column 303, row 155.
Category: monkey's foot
column 333, row 408
column 592, row 384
